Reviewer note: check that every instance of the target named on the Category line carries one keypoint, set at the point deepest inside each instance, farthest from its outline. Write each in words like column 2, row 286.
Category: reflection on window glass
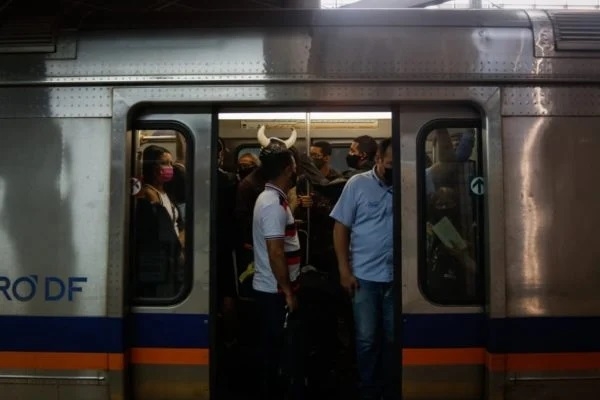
column 451, row 271
column 159, row 215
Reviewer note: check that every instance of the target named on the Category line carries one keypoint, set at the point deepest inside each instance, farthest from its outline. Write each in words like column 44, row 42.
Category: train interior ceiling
column 239, row 132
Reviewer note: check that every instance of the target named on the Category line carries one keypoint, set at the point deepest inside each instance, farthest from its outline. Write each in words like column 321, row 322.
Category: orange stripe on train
column 526, row 362
column 60, row 361
column 465, row 356
column 169, row 356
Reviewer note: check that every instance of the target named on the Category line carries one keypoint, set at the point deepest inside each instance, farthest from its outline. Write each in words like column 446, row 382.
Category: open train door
column 442, row 252
column 167, row 325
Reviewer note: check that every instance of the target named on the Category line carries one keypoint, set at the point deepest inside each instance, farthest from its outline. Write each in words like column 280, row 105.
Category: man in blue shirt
column 363, row 240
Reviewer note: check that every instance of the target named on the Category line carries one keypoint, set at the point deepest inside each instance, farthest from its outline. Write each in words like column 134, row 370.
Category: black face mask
column 352, row 160
column 244, row 172
column 319, row 162
column 388, row 176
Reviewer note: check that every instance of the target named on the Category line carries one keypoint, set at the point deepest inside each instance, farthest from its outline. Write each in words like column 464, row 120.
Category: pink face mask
column 166, row 173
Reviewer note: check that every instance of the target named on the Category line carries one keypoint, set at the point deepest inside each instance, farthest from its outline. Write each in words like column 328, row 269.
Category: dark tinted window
column 451, row 217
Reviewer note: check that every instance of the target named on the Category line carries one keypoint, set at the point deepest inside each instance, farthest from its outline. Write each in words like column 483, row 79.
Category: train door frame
column 126, row 100
column 194, row 123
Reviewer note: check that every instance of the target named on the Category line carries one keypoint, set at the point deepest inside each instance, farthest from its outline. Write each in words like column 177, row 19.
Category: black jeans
column 281, row 351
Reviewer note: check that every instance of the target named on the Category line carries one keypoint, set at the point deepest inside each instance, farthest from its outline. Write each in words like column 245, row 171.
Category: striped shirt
column 273, row 219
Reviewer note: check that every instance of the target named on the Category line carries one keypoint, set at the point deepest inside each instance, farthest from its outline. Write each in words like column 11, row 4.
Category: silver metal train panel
column 54, row 189
column 56, row 102
column 498, row 51
column 551, row 101
column 551, row 246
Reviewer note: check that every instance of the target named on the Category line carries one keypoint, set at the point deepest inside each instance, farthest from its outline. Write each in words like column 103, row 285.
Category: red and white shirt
column 273, row 219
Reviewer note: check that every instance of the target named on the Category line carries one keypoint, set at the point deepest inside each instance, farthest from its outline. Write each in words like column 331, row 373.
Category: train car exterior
column 527, row 82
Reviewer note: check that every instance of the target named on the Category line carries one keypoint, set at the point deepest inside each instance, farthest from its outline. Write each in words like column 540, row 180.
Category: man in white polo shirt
column 276, row 259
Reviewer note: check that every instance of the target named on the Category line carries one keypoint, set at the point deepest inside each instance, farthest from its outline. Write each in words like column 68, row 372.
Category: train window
column 451, row 213
column 161, row 191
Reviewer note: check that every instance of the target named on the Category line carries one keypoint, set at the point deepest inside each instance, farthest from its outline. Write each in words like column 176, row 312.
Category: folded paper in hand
column 449, row 235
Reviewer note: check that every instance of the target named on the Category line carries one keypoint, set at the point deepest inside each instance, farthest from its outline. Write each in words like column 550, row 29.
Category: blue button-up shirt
column 365, row 207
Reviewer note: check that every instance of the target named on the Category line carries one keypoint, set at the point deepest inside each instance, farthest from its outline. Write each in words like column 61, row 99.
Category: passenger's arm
column 278, row 264
column 344, row 215
column 341, row 243
column 273, row 222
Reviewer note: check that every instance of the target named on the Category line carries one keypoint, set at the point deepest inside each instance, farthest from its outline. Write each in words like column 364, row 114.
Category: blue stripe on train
column 511, row 335
column 170, row 330
column 61, row 334
column 100, row 334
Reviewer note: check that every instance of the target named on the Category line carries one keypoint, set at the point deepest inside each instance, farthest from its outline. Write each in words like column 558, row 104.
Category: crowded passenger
column 247, row 163
column 363, row 239
column 276, row 251
column 361, row 155
column 159, row 228
column 320, row 153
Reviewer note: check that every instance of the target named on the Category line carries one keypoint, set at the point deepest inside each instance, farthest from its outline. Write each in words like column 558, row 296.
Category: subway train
column 79, row 104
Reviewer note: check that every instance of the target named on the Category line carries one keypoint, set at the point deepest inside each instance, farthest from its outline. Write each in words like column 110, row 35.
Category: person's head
column 247, row 163
column 320, row 152
column 278, row 165
column 362, row 150
column 157, row 165
column 455, row 139
column 384, row 161
column 176, row 187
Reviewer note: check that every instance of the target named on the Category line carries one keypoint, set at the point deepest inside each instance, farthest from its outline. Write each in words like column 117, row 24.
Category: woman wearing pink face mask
column 159, row 234
column 157, row 169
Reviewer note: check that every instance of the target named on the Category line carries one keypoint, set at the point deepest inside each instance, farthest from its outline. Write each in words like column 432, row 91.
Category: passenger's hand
column 349, row 283
column 247, row 246
column 305, row 201
column 292, row 302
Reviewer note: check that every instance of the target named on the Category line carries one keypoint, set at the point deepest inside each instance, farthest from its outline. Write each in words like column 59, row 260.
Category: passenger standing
column 361, row 155
column 277, row 260
column 320, row 152
column 363, row 240
column 247, row 163
column 226, row 190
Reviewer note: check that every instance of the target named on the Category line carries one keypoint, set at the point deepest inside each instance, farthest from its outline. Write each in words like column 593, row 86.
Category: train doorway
column 322, row 142
column 180, row 315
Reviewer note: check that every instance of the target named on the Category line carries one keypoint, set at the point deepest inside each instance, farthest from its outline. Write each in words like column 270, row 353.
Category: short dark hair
column 324, row 146
column 383, row 146
column 274, row 159
column 367, row 145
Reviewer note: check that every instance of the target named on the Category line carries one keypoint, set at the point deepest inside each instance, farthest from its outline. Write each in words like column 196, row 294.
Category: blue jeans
column 373, row 306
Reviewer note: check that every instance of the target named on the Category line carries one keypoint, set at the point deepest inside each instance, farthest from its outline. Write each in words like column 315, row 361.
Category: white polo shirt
column 273, row 219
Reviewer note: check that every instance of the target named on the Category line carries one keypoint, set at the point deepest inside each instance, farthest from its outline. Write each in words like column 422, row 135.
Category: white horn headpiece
column 292, row 139
column 264, row 140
